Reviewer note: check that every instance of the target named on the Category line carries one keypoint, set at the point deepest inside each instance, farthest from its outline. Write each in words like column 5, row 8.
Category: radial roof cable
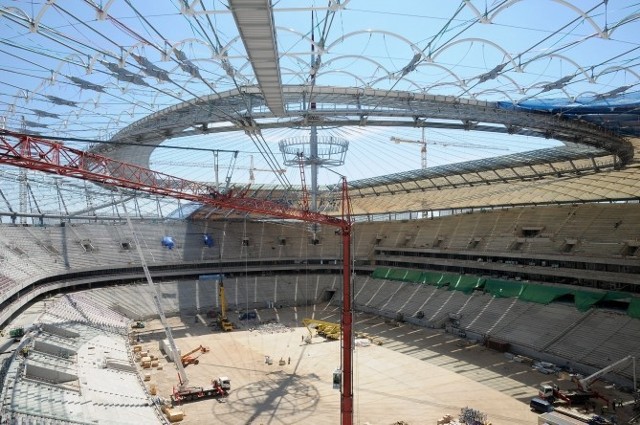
column 60, row 101
column 45, row 114
column 557, row 84
column 86, row 85
column 150, row 69
column 491, row 74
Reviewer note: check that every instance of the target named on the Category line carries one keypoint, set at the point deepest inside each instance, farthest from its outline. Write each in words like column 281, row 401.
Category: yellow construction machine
column 328, row 330
column 223, row 320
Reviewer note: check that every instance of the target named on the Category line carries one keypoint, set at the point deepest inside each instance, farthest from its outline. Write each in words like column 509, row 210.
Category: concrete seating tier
column 191, row 296
column 539, row 325
column 598, row 230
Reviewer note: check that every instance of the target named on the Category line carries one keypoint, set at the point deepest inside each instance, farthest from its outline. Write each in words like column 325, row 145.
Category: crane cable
column 156, row 296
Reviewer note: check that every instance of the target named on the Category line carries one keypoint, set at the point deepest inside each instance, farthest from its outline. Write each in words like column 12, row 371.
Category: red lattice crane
column 54, row 157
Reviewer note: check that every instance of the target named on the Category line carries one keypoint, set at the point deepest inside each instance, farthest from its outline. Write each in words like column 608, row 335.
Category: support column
column 346, row 322
column 346, row 396
column 313, row 160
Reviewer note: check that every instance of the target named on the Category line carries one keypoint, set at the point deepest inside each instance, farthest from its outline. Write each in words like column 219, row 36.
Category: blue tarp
column 619, row 113
column 168, row 242
column 207, row 240
column 217, row 277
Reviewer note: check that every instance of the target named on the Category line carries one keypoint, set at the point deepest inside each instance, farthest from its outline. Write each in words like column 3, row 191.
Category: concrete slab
column 416, row 375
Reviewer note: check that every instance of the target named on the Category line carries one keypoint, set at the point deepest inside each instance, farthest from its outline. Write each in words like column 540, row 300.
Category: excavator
column 188, row 359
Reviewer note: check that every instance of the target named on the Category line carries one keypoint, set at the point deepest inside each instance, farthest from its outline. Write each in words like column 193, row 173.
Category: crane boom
column 423, row 144
column 423, row 149
column 182, row 374
column 227, row 179
column 54, row 157
column 443, row 143
column 48, row 156
column 585, row 382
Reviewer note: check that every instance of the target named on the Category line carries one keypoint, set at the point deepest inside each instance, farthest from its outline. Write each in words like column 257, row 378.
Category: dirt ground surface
column 408, row 374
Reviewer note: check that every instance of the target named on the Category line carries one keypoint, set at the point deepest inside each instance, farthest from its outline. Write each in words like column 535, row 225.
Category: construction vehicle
column 188, row 358
column 248, row 315
column 223, row 320
column 583, row 392
column 16, row 333
column 552, row 393
column 328, row 330
column 219, row 388
column 137, row 325
column 585, row 383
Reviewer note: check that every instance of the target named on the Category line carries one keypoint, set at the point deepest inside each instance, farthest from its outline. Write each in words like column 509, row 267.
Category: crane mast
column 423, row 146
column 585, row 382
column 303, row 184
column 182, row 374
column 225, row 324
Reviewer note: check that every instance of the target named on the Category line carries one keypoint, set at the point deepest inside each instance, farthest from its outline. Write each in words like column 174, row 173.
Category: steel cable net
column 86, row 73
column 120, row 62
